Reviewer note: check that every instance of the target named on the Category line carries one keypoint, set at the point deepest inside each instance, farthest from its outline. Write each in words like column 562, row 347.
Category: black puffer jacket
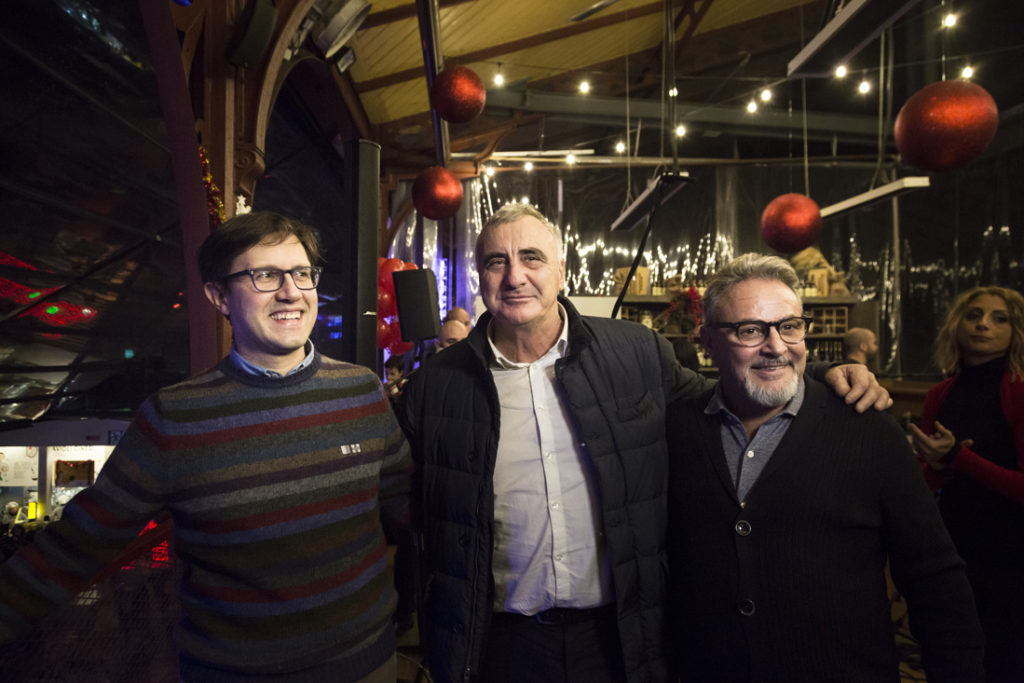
column 617, row 378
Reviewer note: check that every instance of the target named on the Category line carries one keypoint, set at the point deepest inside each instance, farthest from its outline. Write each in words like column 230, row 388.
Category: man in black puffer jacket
column 540, row 441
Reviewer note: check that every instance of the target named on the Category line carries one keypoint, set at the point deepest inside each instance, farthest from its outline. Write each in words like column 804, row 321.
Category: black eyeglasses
column 272, row 279
column 754, row 332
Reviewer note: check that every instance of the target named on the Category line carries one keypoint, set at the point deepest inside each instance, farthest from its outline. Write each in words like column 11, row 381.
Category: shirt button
column 555, row 505
column 743, row 527
column 746, row 607
column 547, row 455
column 750, row 454
column 558, row 557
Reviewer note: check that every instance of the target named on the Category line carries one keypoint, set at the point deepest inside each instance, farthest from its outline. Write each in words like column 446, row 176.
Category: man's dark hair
column 243, row 232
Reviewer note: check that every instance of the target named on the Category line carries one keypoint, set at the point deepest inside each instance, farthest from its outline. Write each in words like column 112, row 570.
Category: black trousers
column 556, row 646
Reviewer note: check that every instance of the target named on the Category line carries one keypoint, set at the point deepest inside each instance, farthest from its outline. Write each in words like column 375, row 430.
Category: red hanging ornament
column 458, row 94
column 791, row 222
column 946, row 125
column 436, row 193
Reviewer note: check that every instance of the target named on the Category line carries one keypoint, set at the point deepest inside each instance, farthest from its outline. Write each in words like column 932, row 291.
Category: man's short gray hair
column 510, row 213
column 747, row 267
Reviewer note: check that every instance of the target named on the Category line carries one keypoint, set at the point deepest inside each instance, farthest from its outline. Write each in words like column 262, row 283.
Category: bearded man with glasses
column 281, row 470
column 784, row 506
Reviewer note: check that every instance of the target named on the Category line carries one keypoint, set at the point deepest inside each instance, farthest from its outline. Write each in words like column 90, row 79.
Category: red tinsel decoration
column 214, row 198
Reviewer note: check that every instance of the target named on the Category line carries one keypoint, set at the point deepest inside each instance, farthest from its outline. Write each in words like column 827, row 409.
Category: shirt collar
column 560, row 346
column 717, row 403
column 253, row 369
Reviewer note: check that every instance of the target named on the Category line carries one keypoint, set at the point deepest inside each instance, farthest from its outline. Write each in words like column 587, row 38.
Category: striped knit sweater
column 278, row 489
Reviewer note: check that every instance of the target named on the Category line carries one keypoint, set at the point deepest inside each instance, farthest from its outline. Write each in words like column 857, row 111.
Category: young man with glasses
column 280, row 469
column 784, row 508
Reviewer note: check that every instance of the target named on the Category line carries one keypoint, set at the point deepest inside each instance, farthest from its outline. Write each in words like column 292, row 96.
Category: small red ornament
column 458, row 94
column 946, row 125
column 791, row 222
column 436, row 193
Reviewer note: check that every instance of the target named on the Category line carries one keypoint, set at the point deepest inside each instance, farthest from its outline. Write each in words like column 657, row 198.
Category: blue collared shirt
column 253, row 369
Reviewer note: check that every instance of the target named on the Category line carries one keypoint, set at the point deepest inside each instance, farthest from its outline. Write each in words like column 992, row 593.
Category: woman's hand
column 935, row 447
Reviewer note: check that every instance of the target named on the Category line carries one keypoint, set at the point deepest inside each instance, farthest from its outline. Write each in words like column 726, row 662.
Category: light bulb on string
column 864, row 87
column 620, row 146
column 766, row 95
column 751, row 106
column 841, row 71
column 499, row 80
column 949, row 21
column 570, row 159
column 967, row 73
column 680, row 130
column 673, row 91
column 584, row 87
column 489, row 170
column 528, row 166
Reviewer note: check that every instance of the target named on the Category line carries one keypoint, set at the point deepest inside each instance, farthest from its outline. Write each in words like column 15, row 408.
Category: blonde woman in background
column 971, row 443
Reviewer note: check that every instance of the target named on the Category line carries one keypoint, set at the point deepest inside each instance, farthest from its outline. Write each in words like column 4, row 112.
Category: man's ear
column 217, row 296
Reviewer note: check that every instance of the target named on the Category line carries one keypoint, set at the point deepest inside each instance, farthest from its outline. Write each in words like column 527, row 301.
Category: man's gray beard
column 770, row 398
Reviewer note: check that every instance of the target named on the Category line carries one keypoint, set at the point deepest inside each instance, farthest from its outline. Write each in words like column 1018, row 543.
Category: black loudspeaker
column 416, row 298
column 253, row 31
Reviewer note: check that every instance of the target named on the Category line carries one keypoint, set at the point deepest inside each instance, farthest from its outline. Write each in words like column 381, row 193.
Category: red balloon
column 384, row 280
column 458, row 94
column 791, row 222
column 396, row 345
column 436, row 193
column 380, row 261
column 946, row 125
column 385, row 304
column 383, row 334
column 409, row 265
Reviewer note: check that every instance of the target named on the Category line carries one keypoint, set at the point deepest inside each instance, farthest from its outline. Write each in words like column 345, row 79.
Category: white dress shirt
column 548, row 545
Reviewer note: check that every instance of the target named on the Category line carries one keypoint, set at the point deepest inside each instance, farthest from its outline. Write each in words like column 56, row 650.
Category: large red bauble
column 946, row 125
column 436, row 193
column 458, row 94
column 791, row 222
